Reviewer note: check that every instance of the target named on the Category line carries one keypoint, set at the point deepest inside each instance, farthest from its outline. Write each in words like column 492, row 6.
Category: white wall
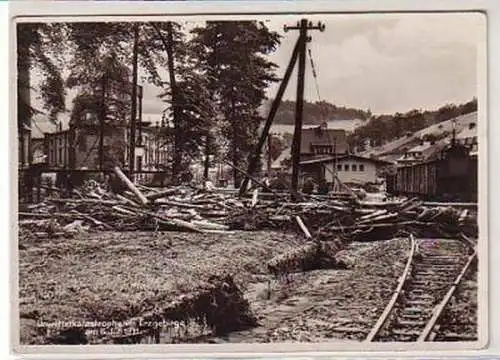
column 369, row 173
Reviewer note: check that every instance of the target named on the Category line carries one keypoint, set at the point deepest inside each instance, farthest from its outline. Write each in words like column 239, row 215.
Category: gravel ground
column 115, row 276
column 459, row 320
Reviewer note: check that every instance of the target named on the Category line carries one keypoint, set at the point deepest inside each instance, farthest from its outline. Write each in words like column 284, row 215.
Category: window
column 354, row 167
column 346, row 167
column 139, row 163
column 339, row 167
column 361, row 167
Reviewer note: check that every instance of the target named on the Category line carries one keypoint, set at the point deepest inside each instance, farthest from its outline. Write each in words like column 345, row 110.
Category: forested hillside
column 378, row 129
column 315, row 113
column 383, row 128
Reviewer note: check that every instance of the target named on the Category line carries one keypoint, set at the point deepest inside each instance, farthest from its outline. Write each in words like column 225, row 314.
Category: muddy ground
column 119, row 275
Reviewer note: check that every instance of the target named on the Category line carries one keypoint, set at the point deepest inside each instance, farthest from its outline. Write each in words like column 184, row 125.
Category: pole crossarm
column 309, row 26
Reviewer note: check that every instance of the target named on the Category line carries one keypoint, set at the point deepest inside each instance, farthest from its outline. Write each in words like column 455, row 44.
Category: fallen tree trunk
column 130, row 185
column 312, row 256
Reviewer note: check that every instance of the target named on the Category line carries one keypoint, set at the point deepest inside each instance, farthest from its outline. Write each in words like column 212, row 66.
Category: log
column 373, row 214
column 261, row 184
column 452, row 204
column 126, row 200
column 176, row 222
column 161, row 194
column 124, row 211
column 369, row 226
column 182, row 204
column 303, row 227
column 83, row 201
column 131, row 185
column 50, row 216
column 255, row 197
column 379, row 218
column 209, row 226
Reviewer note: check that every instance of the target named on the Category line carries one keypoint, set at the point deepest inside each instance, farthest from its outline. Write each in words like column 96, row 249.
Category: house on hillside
column 396, row 148
column 422, row 152
column 350, row 169
column 468, row 138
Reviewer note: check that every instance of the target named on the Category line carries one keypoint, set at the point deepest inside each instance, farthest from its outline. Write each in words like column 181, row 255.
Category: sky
column 383, row 62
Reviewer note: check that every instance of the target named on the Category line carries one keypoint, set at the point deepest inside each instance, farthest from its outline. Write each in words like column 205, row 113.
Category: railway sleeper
column 426, row 303
column 410, row 323
column 406, row 332
column 419, row 296
column 411, row 317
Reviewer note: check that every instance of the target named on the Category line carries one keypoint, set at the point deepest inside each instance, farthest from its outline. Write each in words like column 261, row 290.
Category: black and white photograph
column 257, row 179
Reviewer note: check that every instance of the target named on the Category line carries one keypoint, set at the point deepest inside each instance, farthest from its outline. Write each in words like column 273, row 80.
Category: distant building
column 427, row 150
column 38, row 151
column 468, row 138
column 323, row 141
column 316, row 142
column 350, row 169
column 79, row 147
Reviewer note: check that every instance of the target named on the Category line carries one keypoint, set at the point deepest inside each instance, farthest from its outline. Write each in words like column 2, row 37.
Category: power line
column 315, row 75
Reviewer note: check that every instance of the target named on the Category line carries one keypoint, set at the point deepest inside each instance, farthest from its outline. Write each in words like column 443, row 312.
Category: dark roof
column 318, row 136
column 327, row 159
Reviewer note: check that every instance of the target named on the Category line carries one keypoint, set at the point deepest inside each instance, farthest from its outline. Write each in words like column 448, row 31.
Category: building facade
column 79, row 148
column 322, row 141
column 349, row 169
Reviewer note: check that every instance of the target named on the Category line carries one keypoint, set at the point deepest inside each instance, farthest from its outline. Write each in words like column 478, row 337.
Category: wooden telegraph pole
column 303, row 27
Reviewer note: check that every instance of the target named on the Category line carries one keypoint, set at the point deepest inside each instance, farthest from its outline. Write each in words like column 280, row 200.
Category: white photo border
column 39, row 11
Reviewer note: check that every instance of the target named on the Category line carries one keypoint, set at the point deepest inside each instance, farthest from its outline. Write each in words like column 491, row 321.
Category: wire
column 315, row 75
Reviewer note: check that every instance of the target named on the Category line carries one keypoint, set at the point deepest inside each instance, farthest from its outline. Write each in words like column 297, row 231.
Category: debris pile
column 311, row 256
column 191, row 209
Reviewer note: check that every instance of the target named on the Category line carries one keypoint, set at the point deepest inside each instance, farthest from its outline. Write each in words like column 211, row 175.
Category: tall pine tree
column 233, row 54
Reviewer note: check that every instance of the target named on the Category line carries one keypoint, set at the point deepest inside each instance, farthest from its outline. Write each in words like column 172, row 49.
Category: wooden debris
column 130, row 185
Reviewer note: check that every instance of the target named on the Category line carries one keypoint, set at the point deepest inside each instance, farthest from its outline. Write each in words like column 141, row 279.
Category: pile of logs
column 190, row 209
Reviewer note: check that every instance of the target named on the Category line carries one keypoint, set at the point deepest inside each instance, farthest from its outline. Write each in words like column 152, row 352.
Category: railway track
column 431, row 277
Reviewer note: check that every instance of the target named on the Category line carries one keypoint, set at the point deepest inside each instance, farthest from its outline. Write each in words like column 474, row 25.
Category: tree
column 192, row 108
column 40, row 47
column 232, row 54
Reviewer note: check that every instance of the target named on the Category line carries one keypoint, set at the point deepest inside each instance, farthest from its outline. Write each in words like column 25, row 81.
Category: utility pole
column 272, row 113
column 131, row 160
column 303, row 27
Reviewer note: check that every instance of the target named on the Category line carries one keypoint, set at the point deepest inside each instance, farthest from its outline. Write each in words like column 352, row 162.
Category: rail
column 388, row 309
column 428, row 330
column 438, row 311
